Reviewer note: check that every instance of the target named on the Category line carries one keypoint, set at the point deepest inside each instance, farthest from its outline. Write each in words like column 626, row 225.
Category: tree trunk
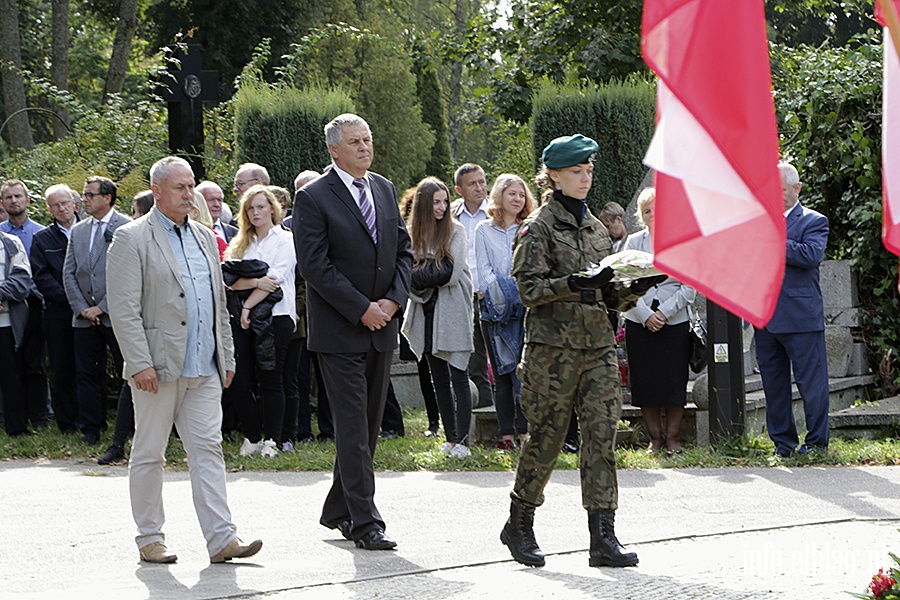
column 462, row 12
column 59, row 64
column 118, row 63
column 13, row 83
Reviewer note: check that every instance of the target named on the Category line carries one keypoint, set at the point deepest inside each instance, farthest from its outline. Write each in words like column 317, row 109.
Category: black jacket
column 260, row 315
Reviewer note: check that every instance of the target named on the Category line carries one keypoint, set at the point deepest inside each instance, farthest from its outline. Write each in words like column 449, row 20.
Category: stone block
column 859, row 360
column 842, row 317
column 839, row 284
column 838, row 343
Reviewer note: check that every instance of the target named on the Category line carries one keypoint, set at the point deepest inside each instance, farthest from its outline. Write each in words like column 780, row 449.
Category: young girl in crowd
column 502, row 312
column 438, row 319
column 259, row 271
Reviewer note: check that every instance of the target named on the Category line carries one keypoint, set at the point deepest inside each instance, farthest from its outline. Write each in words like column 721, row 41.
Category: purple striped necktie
column 366, row 207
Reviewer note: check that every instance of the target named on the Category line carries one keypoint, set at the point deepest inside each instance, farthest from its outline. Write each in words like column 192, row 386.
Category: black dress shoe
column 113, row 455
column 344, row 528
column 376, row 540
column 91, row 438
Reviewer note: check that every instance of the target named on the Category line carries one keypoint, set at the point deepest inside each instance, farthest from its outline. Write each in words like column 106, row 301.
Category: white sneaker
column 460, row 451
column 287, row 447
column 248, row 448
column 446, row 447
column 268, row 448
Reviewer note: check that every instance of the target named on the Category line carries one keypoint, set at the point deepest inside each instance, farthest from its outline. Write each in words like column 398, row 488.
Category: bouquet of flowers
column 884, row 586
column 628, row 265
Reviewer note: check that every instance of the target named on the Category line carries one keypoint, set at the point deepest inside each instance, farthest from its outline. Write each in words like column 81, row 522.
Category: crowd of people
column 218, row 326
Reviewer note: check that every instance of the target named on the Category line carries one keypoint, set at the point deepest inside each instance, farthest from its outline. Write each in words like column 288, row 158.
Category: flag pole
column 889, row 11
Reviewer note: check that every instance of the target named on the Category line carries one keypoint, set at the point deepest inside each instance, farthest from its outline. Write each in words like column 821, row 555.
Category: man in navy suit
column 354, row 253
column 796, row 334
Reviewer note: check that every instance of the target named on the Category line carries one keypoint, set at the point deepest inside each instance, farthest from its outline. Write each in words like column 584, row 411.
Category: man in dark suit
column 48, row 252
column 215, row 197
column 796, row 334
column 354, row 253
column 84, row 277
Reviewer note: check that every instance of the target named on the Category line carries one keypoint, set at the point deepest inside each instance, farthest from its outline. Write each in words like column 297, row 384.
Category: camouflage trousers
column 554, row 380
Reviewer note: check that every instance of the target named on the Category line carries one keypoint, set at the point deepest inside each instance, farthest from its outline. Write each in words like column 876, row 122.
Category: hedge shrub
column 281, row 128
column 620, row 116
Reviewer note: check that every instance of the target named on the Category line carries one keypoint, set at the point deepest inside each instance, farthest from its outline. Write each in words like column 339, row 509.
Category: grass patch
column 415, row 452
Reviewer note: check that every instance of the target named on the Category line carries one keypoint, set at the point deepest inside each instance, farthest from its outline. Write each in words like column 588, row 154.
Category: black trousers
column 90, row 366
column 59, row 336
column 309, row 366
column 392, row 420
column 510, row 419
column 357, row 386
column 14, row 413
column 34, row 377
column 261, row 417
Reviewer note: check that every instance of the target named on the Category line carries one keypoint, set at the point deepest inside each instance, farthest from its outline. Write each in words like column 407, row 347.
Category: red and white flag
column 886, row 12
column 719, row 211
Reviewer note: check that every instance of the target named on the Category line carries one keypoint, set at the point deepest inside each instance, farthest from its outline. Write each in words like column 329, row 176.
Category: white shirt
column 470, row 221
column 348, row 179
column 277, row 249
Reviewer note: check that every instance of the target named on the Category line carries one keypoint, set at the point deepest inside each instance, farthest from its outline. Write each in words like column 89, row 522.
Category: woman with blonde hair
column 658, row 344
column 502, row 312
column 259, row 270
column 438, row 319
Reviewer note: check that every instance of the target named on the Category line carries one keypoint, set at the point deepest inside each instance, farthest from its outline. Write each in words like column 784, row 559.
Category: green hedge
column 620, row 116
column 281, row 128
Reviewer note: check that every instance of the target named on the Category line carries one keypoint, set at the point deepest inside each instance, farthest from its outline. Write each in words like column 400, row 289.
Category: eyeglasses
column 90, row 195
column 59, row 205
column 239, row 183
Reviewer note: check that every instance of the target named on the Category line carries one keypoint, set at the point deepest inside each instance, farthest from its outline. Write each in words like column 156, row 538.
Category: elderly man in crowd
column 248, row 175
column 48, row 254
column 215, row 198
column 353, row 251
column 171, row 318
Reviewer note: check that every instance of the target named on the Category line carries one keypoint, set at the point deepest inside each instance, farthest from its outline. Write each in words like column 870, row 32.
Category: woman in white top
column 510, row 202
column 258, row 346
column 658, row 344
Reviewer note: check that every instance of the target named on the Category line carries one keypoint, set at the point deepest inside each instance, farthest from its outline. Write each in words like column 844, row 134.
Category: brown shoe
column 157, row 553
column 235, row 549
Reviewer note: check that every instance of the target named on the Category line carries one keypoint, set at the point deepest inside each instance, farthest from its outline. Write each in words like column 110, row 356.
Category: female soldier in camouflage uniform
column 569, row 357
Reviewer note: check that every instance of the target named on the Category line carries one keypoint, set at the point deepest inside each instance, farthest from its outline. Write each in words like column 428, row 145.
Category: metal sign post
column 726, row 373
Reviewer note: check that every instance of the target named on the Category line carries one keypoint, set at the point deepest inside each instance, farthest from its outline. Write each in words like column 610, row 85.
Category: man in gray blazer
column 170, row 317
column 84, row 278
column 354, row 253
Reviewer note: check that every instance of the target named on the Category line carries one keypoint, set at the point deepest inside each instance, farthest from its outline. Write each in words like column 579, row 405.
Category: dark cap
column 568, row 151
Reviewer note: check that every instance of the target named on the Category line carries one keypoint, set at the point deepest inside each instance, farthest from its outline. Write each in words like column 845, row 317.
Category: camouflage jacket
column 550, row 246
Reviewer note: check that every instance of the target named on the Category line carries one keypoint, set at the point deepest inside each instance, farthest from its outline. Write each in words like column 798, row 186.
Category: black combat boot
column 606, row 551
column 518, row 535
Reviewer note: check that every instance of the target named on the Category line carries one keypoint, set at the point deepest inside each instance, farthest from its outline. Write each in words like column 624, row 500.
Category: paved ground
column 700, row 533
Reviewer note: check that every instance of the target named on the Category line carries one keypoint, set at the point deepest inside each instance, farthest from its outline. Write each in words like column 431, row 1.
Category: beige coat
column 147, row 303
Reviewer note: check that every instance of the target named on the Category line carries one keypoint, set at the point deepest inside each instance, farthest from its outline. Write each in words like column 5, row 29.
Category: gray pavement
column 699, row 533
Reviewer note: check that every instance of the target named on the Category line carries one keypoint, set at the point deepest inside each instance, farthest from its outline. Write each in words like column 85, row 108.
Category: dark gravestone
column 185, row 89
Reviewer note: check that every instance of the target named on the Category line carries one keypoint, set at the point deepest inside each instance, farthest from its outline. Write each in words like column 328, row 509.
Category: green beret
column 568, row 151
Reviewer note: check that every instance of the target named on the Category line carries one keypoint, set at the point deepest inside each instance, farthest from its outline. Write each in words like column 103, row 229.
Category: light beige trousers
column 194, row 406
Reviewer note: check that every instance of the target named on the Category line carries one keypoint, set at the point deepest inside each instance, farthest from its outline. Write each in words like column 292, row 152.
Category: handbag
column 699, row 352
